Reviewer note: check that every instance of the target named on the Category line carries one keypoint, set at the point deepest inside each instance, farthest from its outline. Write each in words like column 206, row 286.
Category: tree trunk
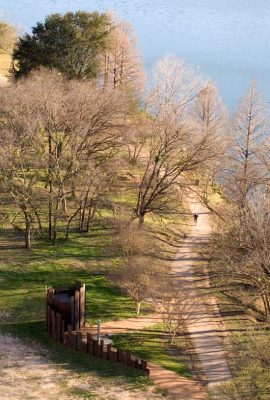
column 27, row 232
column 70, row 220
column 141, row 219
column 138, row 307
column 50, row 186
column 82, row 215
column 64, row 205
column 55, row 219
column 266, row 307
column 90, row 217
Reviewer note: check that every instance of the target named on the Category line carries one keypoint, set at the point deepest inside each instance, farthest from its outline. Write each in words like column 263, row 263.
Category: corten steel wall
column 64, row 323
column 69, row 303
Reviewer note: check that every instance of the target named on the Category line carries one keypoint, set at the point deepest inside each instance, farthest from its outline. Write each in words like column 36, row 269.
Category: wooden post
column 74, row 340
column 109, row 346
column 121, row 356
column 128, row 359
column 132, row 363
column 62, row 330
column 143, row 365
column 72, row 307
column 101, row 349
column 95, row 348
column 52, row 323
column 90, row 344
column 77, row 309
column 58, row 323
column 46, row 308
column 66, row 339
column 49, row 319
column 84, row 344
column 70, row 338
column 113, row 355
column 82, row 306
column 79, row 341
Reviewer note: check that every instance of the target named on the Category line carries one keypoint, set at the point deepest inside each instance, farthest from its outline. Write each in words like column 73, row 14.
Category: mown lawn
column 153, row 345
column 84, row 257
column 25, row 274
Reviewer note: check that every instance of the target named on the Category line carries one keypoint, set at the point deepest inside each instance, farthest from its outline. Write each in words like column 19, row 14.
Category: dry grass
column 5, row 63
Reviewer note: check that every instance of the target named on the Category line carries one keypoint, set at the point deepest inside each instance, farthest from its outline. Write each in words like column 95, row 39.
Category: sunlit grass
column 152, row 345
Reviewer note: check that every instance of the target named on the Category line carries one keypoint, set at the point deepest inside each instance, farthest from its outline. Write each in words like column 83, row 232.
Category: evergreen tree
column 71, row 43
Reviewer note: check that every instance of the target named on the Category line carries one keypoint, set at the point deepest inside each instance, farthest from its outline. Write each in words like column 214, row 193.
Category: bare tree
column 72, row 128
column 177, row 308
column 137, row 135
column 83, row 130
column 137, row 277
column 210, row 117
column 175, row 148
column 248, row 133
column 242, row 253
column 123, row 65
column 141, row 271
column 20, row 164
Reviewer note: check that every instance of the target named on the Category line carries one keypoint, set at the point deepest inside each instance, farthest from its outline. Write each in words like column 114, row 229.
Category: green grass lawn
column 24, row 275
column 84, row 257
column 153, row 345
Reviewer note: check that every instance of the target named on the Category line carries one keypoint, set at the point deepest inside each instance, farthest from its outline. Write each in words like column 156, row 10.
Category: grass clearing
column 24, row 275
column 153, row 345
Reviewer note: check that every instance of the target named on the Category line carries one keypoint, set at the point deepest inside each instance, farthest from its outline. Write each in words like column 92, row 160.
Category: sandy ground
column 27, row 374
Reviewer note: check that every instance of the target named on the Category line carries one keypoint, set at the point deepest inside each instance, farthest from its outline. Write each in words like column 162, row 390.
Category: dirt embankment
column 26, row 373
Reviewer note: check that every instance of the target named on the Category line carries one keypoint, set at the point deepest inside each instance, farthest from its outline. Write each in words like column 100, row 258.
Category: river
column 228, row 39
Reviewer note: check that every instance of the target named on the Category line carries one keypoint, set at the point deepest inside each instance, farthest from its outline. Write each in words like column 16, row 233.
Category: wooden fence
column 60, row 325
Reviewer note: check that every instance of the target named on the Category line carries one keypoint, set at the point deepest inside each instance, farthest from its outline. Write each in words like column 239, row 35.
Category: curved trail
column 203, row 331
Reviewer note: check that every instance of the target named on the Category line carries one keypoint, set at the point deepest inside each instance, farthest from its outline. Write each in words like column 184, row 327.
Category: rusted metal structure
column 67, row 304
column 65, row 321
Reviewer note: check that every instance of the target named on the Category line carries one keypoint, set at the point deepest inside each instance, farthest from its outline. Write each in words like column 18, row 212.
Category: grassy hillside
column 24, row 275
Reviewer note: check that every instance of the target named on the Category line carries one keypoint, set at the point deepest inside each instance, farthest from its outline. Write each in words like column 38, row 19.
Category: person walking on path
column 195, row 217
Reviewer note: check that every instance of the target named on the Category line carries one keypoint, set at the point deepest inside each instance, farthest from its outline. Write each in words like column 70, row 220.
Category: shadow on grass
column 22, row 293
column 152, row 345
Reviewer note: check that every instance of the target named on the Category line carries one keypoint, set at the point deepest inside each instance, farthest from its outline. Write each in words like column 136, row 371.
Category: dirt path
column 207, row 344
column 175, row 386
column 127, row 325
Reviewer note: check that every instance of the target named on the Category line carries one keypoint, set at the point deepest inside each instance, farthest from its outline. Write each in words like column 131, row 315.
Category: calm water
column 228, row 39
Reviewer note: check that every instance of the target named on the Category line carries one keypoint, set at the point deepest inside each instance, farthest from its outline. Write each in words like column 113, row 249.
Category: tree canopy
column 71, row 43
